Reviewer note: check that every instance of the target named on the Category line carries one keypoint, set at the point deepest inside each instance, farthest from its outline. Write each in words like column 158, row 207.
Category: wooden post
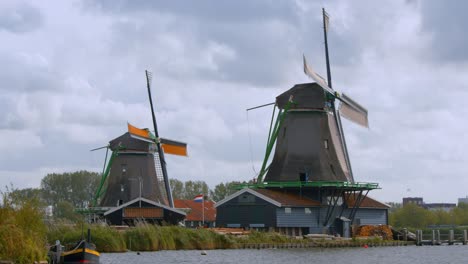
column 465, row 237
column 419, row 237
column 438, row 237
column 451, row 237
column 433, row 237
column 405, row 234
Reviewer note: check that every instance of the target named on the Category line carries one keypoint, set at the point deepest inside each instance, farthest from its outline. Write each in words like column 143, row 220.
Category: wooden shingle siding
column 369, row 216
column 245, row 211
column 297, row 217
column 142, row 212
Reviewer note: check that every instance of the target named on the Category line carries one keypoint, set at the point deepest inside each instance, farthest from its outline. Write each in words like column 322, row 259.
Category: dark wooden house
column 291, row 213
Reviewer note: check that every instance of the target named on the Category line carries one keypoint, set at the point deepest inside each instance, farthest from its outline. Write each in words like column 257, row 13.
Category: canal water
column 372, row 255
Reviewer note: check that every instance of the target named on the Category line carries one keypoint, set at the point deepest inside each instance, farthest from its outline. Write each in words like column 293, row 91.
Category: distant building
column 440, row 206
column 430, row 206
column 413, row 200
column 463, row 200
column 195, row 216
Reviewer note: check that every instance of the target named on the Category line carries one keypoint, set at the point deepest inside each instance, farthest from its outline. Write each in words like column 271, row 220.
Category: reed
column 145, row 237
column 142, row 237
column 22, row 230
column 104, row 237
column 264, row 237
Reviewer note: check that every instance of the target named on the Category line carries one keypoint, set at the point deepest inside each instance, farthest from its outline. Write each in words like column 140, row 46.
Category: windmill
column 137, row 166
column 310, row 152
column 308, row 134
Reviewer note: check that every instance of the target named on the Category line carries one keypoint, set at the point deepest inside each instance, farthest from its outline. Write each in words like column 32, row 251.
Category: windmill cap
column 305, row 96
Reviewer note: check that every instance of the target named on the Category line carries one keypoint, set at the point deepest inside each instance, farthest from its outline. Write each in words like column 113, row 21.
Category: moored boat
column 83, row 252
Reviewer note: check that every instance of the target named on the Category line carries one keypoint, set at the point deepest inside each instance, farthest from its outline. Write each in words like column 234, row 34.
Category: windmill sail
column 174, row 147
column 141, row 134
column 169, row 146
column 353, row 111
column 349, row 108
column 315, row 76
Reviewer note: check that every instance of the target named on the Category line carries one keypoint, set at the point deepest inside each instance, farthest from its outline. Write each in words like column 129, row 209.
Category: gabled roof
column 146, row 201
column 277, row 198
column 288, row 199
column 366, row 203
column 196, row 213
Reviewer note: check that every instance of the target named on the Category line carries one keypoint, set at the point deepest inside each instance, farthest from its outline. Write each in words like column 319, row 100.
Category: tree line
column 414, row 216
column 64, row 192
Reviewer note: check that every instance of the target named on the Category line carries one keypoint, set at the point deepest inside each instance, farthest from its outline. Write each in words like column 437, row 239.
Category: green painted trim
column 272, row 140
column 271, row 123
column 315, row 184
column 104, row 177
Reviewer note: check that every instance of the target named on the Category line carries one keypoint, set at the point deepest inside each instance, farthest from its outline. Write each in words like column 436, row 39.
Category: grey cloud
column 21, row 19
column 447, row 23
column 213, row 11
column 263, row 36
column 8, row 119
column 27, row 72
column 268, row 38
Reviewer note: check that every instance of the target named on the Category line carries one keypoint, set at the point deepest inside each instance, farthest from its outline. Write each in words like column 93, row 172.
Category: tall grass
column 264, row 237
column 143, row 237
column 146, row 237
column 105, row 238
column 22, row 231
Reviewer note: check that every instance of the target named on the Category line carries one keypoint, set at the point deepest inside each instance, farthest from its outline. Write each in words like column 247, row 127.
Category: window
column 246, row 198
column 330, row 200
column 307, row 211
column 287, row 210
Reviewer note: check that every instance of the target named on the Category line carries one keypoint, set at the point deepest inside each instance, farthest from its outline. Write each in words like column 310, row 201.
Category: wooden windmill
column 137, row 167
column 308, row 134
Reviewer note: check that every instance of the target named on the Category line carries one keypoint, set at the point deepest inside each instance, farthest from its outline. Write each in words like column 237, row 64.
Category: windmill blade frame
column 349, row 108
column 316, row 77
column 353, row 111
column 100, row 148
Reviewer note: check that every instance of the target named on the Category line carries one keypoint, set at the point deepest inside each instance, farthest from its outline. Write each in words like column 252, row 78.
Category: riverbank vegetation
column 414, row 216
column 143, row 237
column 22, row 231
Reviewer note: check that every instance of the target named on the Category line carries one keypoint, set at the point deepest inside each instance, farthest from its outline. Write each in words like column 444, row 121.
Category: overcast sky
column 72, row 76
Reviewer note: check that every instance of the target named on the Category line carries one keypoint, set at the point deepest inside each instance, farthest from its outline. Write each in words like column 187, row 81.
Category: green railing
column 313, row 184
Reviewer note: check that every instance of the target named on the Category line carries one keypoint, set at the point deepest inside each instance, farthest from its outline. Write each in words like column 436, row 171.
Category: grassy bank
column 146, row 237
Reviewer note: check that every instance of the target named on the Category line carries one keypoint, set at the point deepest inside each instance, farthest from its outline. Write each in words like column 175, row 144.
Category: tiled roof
column 195, row 212
column 288, row 199
column 366, row 203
